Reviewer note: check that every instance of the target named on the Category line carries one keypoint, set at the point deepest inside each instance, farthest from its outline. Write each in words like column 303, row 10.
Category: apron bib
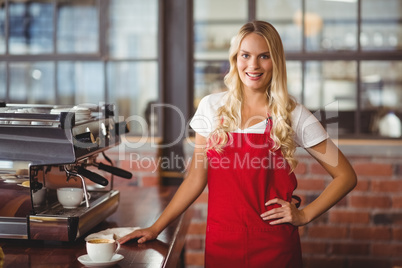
column 240, row 180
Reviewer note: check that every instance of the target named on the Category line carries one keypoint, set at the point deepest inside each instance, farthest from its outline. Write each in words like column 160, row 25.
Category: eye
column 246, row 56
column 265, row 57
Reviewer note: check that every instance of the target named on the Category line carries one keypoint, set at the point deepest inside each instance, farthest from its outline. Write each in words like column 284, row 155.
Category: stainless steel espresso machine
column 44, row 148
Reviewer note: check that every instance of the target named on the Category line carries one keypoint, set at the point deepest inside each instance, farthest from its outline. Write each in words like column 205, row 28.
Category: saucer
column 85, row 260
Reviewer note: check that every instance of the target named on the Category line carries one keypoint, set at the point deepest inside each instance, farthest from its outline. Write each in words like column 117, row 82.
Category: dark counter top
column 138, row 207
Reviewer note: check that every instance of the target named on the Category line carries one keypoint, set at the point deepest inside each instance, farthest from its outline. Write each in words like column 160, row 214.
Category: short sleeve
column 308, row 130
column 202, row 121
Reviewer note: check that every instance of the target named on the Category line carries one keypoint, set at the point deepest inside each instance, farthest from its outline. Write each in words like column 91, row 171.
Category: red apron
column 240, row 180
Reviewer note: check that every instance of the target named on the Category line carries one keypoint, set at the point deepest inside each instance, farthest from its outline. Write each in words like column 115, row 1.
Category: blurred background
column 344, row 62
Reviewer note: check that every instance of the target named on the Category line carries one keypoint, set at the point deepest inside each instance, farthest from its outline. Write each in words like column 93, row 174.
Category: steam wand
column 84, row 186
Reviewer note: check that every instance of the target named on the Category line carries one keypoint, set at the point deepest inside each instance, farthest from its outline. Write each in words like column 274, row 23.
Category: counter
column 139, row 206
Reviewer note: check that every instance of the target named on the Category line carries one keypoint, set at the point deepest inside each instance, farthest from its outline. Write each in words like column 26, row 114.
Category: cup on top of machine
column 70, row 197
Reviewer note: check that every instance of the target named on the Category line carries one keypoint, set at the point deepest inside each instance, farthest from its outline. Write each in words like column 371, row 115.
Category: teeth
column 254, row 75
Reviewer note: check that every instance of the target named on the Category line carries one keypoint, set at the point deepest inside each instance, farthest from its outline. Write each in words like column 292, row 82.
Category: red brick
column 386, row 186
column 397, row 234
column 373, row 169
column 368, row 263
column 370, row 233
column 342, row 203
column 320, row 262
column 194, row 259
column 150, row 181
column 310, row 184
column 302, row 230
column 362, row 185
column 323, row 231
column 318, row 169
column 194, row 243
column 199, row 212
column 342, row 216
column 197, row 228
column 387, row 249
column 300, row 169
column 359, row 201
column 314, row 247
column 386, row 217
column 397, row 201
column 349, row 248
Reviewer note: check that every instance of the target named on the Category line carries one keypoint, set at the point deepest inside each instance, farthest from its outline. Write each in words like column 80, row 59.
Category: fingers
column 276, row 201
column 286, row 213
column 279, row 215
column 133, row 235
column 275, row 213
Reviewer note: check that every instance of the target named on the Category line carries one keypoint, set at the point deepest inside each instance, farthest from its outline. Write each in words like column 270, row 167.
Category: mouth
column 254, row 75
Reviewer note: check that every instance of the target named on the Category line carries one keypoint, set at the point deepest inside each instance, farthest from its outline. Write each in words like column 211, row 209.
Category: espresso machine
column 44, row 148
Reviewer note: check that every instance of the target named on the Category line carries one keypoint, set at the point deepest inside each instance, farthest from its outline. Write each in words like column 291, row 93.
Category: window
column 343, row 55
column 215, row 23
column 70, row 52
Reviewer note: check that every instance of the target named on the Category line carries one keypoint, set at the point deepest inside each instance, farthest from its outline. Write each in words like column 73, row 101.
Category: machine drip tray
column 56, row 209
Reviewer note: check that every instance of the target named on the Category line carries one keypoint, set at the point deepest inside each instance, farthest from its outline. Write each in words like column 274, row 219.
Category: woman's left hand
column 286, row 213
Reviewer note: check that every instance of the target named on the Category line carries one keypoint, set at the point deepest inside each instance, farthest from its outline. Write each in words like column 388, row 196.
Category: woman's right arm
column 191, row 187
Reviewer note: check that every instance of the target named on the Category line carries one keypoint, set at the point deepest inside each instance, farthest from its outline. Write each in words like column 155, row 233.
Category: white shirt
column 308, row 130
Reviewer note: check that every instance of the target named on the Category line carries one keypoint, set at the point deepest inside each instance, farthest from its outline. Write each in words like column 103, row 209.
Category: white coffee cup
column 70, row 197
column 102, row 249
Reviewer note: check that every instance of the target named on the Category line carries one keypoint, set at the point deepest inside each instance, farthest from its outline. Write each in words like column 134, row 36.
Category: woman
column 245, row 143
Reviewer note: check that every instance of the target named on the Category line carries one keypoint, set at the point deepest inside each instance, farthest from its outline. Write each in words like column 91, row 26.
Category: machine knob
column 85, row 140
column 86, row 137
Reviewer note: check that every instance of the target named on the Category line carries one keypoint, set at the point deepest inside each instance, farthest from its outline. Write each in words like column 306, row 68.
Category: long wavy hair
column 280, row 103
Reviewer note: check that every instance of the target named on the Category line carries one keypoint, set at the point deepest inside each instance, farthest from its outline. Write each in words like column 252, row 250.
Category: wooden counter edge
column 177, row 246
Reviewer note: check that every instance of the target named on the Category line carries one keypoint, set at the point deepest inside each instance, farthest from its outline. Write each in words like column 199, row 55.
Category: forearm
column 344, row 179
column 333, row 193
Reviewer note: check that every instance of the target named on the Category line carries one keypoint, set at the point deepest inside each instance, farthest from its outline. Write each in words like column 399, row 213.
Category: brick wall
column 363, row 230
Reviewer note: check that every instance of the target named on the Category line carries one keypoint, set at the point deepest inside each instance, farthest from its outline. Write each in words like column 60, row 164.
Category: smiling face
column 254, row 63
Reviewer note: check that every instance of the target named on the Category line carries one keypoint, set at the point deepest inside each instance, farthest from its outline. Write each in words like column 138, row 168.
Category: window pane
column 208, row 78
column 132, row 87
column 215, row 23
column 133, row 29
column 80, row 82
column 330, row 25
column 330, row 81
column 282, row 14
column 31, row 27
column 381, row 25
column 2, row 29
column 329, row 85
column 294, row 73
column 78, row 27
column 32, row 83
column 381, row 96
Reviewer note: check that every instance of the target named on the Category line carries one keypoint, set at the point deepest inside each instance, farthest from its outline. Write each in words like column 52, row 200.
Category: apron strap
column 268, row 124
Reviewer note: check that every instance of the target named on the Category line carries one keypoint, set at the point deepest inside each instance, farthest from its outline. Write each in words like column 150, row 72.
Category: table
column 139, row 206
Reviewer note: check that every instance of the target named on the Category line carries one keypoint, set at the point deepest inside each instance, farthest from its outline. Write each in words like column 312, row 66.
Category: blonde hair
column 280, row 103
